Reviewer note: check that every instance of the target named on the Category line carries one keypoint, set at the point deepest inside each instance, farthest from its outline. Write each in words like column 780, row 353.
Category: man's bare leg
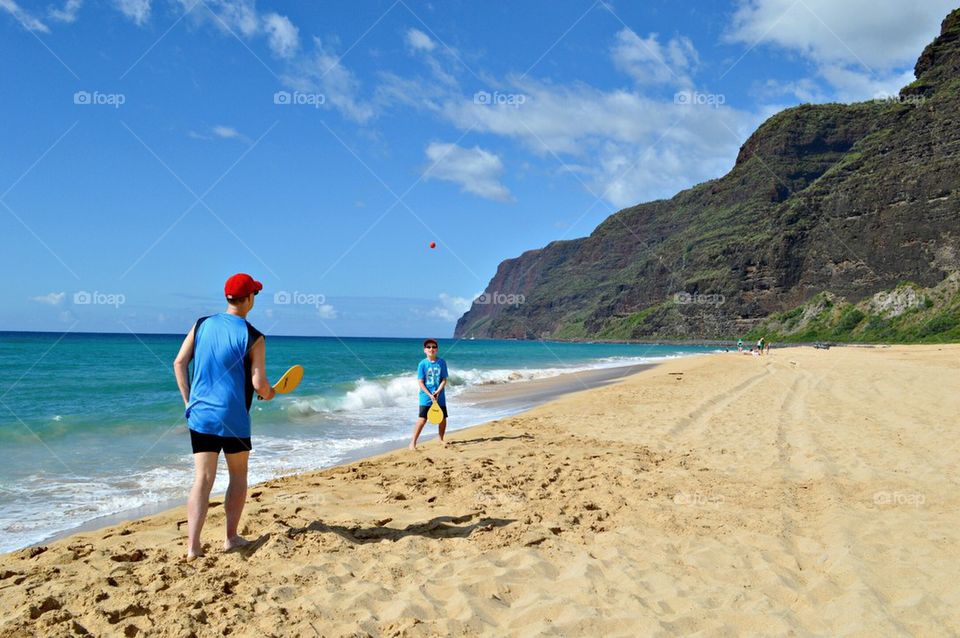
column 235, row 498
column 417, row 429
column 443, row 429
column 204, row 473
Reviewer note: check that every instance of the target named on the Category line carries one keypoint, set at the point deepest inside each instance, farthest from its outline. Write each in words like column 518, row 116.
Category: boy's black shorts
column 426, row 408
column 202, row 442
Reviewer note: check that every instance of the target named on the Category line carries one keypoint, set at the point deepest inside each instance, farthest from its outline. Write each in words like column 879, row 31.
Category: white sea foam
column 36, row 508
column 398, row 391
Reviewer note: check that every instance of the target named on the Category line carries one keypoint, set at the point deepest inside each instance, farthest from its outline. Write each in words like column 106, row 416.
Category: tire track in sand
column 700, row 414
column 806, row 460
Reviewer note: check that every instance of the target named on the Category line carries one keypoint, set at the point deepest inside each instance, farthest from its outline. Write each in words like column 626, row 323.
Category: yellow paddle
column 435, row 413
column 289, row 381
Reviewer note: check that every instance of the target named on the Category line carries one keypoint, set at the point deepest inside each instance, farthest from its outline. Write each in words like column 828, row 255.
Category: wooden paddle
column 435, row 413
column 289, row 381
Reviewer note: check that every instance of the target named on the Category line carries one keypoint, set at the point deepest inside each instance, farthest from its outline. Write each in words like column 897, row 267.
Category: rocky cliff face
column 850, row 199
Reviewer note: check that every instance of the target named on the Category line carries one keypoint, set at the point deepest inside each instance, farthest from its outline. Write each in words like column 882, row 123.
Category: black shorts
column 426, row 408
column 202, row 442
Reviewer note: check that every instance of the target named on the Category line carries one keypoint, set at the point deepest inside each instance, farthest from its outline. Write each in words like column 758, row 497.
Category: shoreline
column 729, row 343
column 516, row 398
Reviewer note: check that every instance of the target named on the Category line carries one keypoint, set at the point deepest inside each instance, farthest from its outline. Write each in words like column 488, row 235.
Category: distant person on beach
column 229, row 358
column 760, row 343
column 739, row 345
column 432, row 377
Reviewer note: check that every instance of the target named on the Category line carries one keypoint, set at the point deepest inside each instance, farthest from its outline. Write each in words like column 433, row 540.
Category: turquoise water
column 92, row 424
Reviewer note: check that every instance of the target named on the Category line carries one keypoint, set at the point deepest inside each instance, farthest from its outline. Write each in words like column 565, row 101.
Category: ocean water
column 92, row 424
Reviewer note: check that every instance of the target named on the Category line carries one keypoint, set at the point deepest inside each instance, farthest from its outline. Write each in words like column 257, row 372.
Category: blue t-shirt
column 432, row 373
column 222, row 387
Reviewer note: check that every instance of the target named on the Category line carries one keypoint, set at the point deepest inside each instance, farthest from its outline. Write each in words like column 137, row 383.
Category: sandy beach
column 805, row 493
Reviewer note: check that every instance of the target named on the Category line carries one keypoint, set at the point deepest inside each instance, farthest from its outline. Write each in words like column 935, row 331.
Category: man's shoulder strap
column 196, row 330
column 253, row 335
column 196, row 326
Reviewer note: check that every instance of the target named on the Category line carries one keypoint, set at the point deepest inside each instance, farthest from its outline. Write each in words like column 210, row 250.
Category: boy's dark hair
column 427, row 342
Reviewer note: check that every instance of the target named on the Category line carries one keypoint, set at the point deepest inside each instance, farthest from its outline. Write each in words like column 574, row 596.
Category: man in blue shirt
column 229, row 359
column 432, row 377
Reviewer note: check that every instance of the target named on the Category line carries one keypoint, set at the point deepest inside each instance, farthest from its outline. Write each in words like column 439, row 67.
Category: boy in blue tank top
column 432, row 377
column 229, row 359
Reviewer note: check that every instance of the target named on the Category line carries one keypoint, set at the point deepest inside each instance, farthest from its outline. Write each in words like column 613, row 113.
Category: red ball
column 433, row 244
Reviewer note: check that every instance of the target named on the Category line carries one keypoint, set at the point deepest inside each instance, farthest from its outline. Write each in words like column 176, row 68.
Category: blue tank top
column 222, row 388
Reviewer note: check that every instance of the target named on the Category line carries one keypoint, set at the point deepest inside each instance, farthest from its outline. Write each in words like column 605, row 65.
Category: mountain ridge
column 850, row 199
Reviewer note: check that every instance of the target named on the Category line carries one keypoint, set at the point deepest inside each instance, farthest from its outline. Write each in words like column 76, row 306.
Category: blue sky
column 151, row 148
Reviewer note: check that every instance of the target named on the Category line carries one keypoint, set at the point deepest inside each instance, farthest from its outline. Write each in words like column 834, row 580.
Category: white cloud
column 226, row 132
column 557, row 118
column 451, row 307
column 51, row 299
column 649, row 62
column 319, row 71
column 327, row 311
column 282, row 35
column 628, row 175
column 803, row 89
column 476, row 170
column 241, row 18
column 68, row 13
column 230, row 16
column 877, row 33
column 851, row 86
column 626, row 147
column 622, row 145
column 419, row 41
column 219, row 131
column 136, row 10
column 859, row 48
column 26, row 20
column 324, row 73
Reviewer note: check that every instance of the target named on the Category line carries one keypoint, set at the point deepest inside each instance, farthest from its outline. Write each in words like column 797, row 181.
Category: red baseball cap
column 241, row 285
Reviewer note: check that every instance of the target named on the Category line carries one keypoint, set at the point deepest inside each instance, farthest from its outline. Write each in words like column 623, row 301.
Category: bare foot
column 412, row 447
column 443, row 443
column 192, row 556
column 235, row 542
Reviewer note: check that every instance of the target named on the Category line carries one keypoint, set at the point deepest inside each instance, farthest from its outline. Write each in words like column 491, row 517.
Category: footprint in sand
column 135, row 556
